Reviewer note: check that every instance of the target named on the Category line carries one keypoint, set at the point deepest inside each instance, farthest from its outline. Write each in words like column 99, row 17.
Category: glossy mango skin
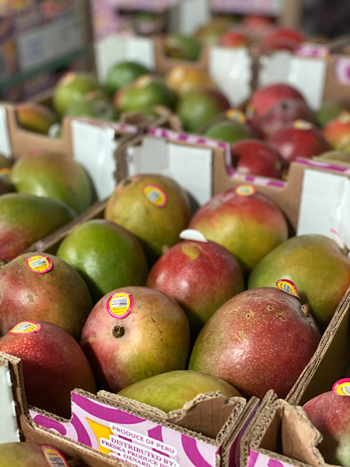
column 318, row 268
column 330, row 414
column 53, row 176
column 199, row 276
column 248, row 226
column 170, row 391
column 22, row 455
column 260, row 339
column 72, row 87
column 25, row 219
column 36, row 117
column 154, row 226
column 106, row 255
column 53, row 365
column 59, row 296
column 155, row 339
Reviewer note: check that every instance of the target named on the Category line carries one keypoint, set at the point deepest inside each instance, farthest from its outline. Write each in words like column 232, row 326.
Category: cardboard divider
column 201, row 434
column 287, row 195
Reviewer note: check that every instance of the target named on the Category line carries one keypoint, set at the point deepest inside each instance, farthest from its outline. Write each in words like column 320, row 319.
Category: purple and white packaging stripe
column 256, row 459
column 129, row 437
column 262, row 181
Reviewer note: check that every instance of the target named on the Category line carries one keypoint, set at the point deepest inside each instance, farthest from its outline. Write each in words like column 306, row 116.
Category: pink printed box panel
column 129, row 437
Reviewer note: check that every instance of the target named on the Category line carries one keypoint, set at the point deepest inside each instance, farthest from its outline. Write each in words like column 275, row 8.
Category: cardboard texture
column 200, row 434
column 283, row 433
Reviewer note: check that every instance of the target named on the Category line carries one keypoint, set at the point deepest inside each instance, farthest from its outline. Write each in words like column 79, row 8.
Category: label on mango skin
column 54, row 457
column 342, row 387
column 344, row 117
column 245, row 190
column 155, row 195
column 236, row 115
column 302, row 125
column 5, row 171
column 39, row 264
column 288, row 287
column 119, row 305
column 26, row 327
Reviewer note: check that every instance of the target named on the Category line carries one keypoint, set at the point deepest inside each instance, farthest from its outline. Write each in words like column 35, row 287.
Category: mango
column 106, row 256
column 316, row 265
column 170, row 391
column 25, row 219
column 53, row 176
column 36, row 117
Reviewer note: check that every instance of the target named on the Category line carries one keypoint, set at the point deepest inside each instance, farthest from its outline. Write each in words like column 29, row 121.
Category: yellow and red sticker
column 344, row 117
column 245, row 190
column 26, row 327
column 5, row 171
column 155, row 195
column 119, row 305
column 342, row 387
column 287, row 286
column 302, row 125
column 54, row 457
column 236, row 115
column 39, row 264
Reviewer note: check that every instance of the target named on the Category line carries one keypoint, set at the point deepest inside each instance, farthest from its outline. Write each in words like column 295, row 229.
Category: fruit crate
column 82, row 139
column 209, row 169
column 287, row 13
column 203, row 432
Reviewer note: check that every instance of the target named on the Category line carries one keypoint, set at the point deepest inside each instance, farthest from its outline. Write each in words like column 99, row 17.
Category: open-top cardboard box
column 201, row 434
column 209, row 170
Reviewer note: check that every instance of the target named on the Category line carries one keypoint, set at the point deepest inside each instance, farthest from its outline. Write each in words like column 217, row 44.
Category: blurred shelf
column 49, row 66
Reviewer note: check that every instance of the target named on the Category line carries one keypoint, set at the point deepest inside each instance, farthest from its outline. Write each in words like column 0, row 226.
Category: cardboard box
column 288, row 13
column 201, row 434
column 209, row 171
column 82, row 139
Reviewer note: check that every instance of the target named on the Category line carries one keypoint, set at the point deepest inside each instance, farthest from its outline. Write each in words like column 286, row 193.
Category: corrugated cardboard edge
column 267, row 401
column 280, row 426
column 188, row 419
column 301, row 390
column 31, row 431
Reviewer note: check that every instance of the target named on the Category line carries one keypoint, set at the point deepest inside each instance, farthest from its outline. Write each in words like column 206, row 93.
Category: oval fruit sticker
column 155, row 195
column 302, row 125
column 119, row 305
column 39, row 264
column 54, row 457
column 245, row 190
column 287, row 286
column 342, row 387
column 236, row 115
column 344, row 117
column 26, row 327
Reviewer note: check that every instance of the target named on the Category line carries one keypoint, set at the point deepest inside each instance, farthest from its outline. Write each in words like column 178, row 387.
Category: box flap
column 9, row 431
